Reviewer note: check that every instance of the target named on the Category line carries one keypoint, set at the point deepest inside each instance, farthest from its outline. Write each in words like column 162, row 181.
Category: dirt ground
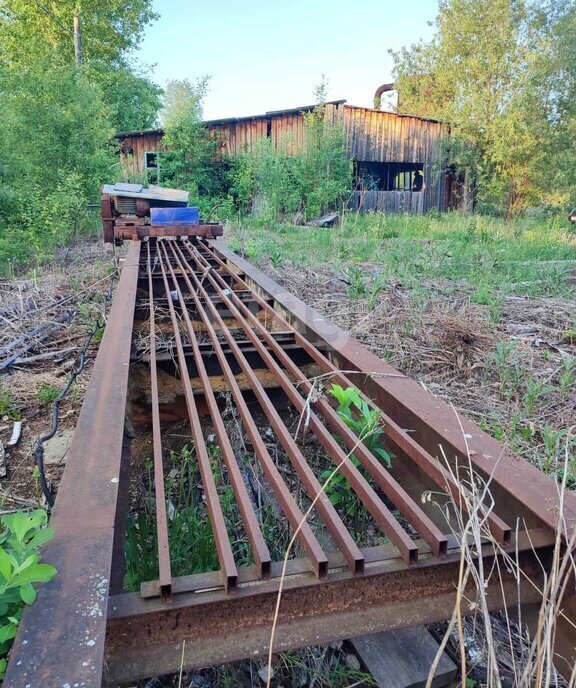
column 502, row 375
column 73, row 286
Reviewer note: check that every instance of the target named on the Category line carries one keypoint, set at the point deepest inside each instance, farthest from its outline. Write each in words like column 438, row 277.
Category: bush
column 21, row 536
column 310, row 182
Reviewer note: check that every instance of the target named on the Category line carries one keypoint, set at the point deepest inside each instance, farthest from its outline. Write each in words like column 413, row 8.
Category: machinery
column 132, row 211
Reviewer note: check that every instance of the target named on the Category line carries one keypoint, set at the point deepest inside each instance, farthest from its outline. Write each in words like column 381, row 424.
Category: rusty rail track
column 84, row 629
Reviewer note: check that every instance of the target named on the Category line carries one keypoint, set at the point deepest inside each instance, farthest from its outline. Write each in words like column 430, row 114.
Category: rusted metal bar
column 165, row 575
column 289, row 506
column 145, row 231
column 370, row 499
column 257, row 542
column 400, row 437
column 61, row 636
column 385, row 481
column 223, row 547
column 144, row 636
column 360, row 485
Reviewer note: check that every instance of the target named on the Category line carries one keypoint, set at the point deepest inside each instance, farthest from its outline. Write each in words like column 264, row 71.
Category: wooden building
column 396, row 157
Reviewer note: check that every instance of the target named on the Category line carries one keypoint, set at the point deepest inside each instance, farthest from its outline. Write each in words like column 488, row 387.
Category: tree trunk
column 78, row 41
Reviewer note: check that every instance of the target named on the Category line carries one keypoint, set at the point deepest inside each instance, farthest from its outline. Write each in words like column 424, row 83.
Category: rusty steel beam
column 165, row 575
column 122, row 232
column 401, row 438
column 289, row 506
column 360, row 485
column 61, row 637
column 146, row 638
column 385, row 481
column 257, row 542
column 217, row 521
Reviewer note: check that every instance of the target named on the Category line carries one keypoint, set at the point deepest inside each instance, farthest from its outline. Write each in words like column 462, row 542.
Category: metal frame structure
column 83, row 629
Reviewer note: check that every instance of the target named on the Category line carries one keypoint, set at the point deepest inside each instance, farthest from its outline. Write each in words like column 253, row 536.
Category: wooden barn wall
column 386, row 137
column 135, row 162
column 371, row 136
column 287, row 132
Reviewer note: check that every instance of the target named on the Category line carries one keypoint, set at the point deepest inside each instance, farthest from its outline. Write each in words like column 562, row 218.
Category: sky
column 270, row 55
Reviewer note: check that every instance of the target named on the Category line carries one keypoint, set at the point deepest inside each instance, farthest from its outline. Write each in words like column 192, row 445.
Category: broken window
column 151, row 162
column 389, row 176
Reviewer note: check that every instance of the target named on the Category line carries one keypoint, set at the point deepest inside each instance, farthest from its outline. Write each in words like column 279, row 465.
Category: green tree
column 55, row 152
column 305, row 182
column 110, row 30
column 188, row 152
column 491, row 71
column 42, row 33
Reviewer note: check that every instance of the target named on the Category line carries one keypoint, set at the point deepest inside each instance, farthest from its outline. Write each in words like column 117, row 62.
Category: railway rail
column 207, row 315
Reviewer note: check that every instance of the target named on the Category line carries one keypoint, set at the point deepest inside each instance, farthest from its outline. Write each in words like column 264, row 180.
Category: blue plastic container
column 174, row 216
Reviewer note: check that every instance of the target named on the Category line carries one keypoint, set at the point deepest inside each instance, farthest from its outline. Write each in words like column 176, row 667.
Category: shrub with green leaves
column 364, row 422
column 21, row 536
column 54, row 153
column 285, row 182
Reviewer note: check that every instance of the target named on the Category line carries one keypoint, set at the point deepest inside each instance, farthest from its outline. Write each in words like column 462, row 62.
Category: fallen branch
column 42, row 357
column 35, row 338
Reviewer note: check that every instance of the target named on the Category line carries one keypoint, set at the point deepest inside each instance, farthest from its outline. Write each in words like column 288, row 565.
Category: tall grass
column 492, row 256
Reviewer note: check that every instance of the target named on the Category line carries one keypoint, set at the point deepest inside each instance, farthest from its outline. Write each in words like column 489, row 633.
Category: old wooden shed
column 396, row 156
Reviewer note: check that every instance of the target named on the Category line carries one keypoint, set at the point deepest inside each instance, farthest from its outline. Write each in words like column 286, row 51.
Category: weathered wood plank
column 402, row 658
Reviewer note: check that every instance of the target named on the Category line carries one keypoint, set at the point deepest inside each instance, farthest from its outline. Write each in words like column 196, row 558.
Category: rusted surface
column 384, row 480
column 143, row 231
column 61, row 637
column 227, row 322
column 165, row 575
column 142, row 636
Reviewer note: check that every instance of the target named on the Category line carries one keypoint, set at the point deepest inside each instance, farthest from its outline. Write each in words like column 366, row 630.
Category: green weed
column 8, row 406
column 364, row 422
column 192, row 544
column 47, row 394
column 535, row 389
column 567, row 377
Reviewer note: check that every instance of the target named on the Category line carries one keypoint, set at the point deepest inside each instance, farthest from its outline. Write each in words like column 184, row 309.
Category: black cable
column 38, row 449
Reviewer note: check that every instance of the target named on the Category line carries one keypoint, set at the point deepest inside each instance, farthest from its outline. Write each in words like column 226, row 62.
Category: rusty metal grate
column 185, row 271
column 220, row 313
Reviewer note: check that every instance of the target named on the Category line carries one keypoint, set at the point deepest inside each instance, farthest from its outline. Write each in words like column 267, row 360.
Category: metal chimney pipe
column 378, row 95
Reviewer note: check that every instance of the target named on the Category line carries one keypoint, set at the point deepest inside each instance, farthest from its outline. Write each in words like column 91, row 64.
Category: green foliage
column 133, row 99
column 8, row 406
column 47, row 394
column 58, row 120
column 37, row 31
column 502, row 74
column 21, row 536
column 365, row 423
column 54, row 153
column 288, row 179
column 187, row 157
column 361, row 419
column 192, row 544
column 491, row 258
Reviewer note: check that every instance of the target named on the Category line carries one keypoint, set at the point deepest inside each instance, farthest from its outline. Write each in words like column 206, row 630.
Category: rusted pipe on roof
column 378, row 94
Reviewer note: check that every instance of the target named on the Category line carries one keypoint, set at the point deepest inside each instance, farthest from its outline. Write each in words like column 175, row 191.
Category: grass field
column 480, row 310
column 493, row 257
